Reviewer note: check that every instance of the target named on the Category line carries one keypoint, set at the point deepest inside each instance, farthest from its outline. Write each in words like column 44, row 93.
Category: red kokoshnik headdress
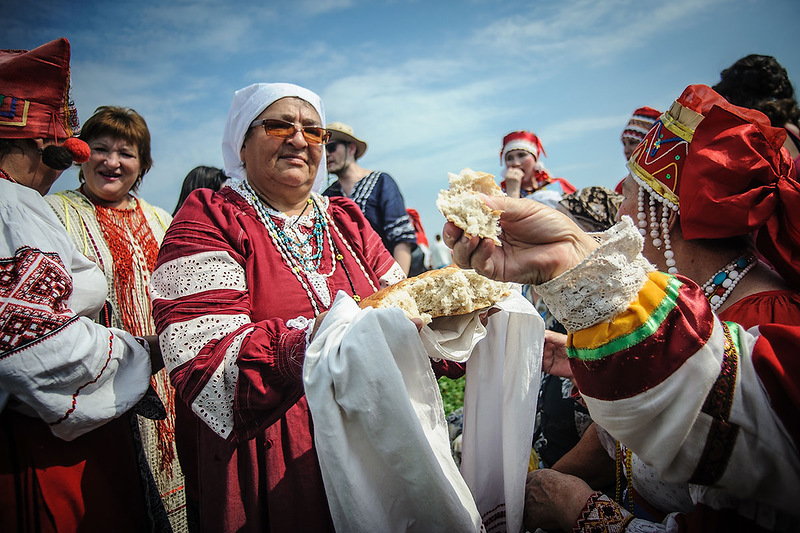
column 724, row 168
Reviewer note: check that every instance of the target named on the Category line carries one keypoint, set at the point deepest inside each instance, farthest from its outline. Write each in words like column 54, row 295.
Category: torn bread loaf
column 442, row 292
column 462, row 205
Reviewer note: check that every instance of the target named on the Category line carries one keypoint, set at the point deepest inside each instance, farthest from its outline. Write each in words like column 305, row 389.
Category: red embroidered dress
column 224, row 298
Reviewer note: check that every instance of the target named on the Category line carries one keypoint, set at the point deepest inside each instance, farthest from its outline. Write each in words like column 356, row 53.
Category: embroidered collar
column 4, row 175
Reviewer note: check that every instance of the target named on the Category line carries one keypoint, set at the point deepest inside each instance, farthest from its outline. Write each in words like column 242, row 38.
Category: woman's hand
column 554, row 500
column 513, row 177
column 554, row 357
column 539, row 243
column 317, row 322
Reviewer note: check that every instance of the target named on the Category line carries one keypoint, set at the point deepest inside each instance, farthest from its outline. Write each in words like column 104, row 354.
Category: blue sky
column 431, row 86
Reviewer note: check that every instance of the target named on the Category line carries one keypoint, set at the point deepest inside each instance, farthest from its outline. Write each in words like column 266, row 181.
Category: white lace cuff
column 603, row 284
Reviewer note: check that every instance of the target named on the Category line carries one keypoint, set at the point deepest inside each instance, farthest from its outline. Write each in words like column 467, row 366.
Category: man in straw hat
column 375, row 192
column 68, row 458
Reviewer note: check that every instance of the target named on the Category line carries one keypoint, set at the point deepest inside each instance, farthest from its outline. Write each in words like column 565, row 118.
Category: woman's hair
column 761, row 83
column 201, row 177
column 123, row 123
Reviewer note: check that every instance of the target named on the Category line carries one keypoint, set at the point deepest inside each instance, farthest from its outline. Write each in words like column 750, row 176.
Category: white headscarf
column 247, row 104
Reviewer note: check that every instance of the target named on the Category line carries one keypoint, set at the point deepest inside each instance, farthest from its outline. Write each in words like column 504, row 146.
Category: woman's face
column 524, row 161
column 630, row 199
column 285, row 168
column 628, row 146
column 111, row 171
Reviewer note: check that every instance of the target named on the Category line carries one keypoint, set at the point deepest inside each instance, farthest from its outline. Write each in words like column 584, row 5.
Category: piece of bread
column 463, row 206
column 442, row 292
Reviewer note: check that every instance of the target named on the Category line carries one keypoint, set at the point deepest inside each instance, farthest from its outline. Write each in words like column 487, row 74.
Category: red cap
column 640, row 123
column 34, row 93
column 522, row 140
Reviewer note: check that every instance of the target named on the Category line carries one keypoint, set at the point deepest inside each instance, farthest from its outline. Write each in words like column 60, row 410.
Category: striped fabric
column 679, row 387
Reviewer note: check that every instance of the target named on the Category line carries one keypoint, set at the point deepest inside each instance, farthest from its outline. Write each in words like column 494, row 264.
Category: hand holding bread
column 538, row 243
column 463, row 205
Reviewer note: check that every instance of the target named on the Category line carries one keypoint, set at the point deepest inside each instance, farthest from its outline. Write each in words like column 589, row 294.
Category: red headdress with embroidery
column 724, row 167
column 34, row 96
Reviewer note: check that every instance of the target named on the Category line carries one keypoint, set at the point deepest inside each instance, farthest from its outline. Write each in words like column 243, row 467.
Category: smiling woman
column 121, row 234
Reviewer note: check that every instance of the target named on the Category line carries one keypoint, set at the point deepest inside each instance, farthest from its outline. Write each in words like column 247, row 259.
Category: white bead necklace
column 352, row 253
column 721, row 285
column 309, row 278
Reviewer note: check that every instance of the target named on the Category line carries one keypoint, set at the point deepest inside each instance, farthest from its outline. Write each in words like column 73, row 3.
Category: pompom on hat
column 723, row 167
column 640, row 123
column 343, row 132
column 522, row 140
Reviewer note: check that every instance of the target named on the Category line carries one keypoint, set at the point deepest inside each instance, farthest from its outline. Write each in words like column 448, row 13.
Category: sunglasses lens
column 314, row 135
column 279, row 128
column 285, row 130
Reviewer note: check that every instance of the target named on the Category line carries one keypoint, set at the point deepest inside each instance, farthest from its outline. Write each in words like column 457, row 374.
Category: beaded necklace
column 721, row 285
column 309, row 278
column 305, row 249
column 624, row 469
column 133, row 247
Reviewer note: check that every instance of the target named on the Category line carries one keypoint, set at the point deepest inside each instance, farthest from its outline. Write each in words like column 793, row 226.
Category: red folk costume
column 257, row 468
column 67, row 384
column 233, row 292
column 709, row 408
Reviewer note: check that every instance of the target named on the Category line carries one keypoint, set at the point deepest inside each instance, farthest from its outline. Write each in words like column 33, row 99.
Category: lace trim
column 392, row 276
column 602, row 285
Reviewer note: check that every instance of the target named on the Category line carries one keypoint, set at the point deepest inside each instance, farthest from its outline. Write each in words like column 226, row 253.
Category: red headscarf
column 738, row 182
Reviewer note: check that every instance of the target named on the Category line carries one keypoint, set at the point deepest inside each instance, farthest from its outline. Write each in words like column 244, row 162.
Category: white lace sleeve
column 392, row 276
column 603, row 284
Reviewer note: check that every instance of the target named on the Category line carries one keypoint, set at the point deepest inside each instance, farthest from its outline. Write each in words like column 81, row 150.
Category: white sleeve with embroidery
column 182, row 341
column 55, row 361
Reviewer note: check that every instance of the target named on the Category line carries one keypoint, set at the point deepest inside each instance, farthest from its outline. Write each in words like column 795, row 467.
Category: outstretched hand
column 539, row 243
column 554, row 356
column 554, row 500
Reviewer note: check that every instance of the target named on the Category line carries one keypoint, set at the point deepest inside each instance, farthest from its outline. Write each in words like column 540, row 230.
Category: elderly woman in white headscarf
column 241, row 276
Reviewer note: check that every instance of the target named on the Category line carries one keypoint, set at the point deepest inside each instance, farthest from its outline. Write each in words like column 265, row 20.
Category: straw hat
column 343, row 132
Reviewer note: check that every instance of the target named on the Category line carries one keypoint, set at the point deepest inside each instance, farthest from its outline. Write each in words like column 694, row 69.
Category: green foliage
column 452, row 393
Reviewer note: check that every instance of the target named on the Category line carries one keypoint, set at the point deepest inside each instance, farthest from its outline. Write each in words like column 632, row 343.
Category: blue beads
column 720, row 277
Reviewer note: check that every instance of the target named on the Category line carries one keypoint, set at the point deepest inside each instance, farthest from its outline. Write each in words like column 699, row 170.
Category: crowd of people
column 152, row 371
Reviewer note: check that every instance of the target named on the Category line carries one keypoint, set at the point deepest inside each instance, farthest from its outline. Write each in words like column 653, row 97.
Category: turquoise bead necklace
column 721, row 285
